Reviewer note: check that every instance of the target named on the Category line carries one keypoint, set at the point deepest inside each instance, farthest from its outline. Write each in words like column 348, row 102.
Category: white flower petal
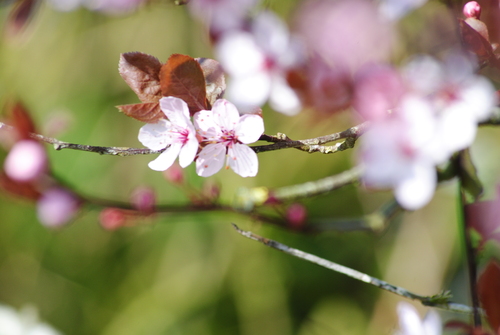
column 480, row 97
column 239, row 55
column 249, row 128
column 188, row 152
column 432, row 323
column 155, row 136
column 250, row 91
column 283, row 98
column 176, row 110
column 243, row 160
column 210, row 160
column 166, row 158
column 270, row 33
column 418, row 186
column 225, row 114
column 457, row 128
column 205, row 125
column 409, row 320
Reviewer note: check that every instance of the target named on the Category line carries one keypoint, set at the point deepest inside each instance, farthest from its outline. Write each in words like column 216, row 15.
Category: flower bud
column 174, row 174
column 144, row 199
column 26, row 161
column 472, row 9
column 112, row 218
column 296, row 215
column 56, row 207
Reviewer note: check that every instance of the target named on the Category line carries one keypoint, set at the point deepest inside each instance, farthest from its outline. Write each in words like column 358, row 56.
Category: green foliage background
column 192, row 273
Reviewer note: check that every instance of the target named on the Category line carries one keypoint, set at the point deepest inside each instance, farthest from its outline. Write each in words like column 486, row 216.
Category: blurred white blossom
column 257, row 61
column 25, row 322
column 410, row 323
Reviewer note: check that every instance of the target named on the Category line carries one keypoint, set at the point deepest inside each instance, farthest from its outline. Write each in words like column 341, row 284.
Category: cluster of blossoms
column 420, row 117
column 222, row 133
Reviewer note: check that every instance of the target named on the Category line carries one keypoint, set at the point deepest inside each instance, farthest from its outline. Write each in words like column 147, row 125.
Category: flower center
column 229, row 137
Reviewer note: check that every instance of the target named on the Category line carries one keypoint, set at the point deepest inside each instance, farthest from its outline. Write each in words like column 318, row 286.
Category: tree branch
column 439, row 300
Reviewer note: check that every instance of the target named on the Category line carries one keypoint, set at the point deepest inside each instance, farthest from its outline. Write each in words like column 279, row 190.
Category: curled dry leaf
column 488, row 287
column 141, row 72
column 475, row 38
column 145, row 112
column 215, row 81
column 182, row 77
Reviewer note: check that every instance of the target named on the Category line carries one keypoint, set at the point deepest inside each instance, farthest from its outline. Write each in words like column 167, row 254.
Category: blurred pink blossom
column 227, row 133
column 345, row 33
column 378, row 90
column 257, row 62
column 177, row 133
column 174, row 174
column 112, row 218
column 26, row 161
column 221, row 15
column 410, row 323
column 396, row 9
column 57, row 206
column 144, row 199
column 296, row 214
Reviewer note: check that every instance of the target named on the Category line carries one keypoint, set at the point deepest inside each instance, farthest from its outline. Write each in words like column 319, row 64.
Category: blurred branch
column 59, row 145
column 439, row 300
column 281, row 141
column 248, row 198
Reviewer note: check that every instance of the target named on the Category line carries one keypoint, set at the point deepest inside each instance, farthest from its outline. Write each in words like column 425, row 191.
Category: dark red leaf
column 21, row 119
column 24, row 190
column 20, row 16
column 182, row 77
column 215, row 81
column 145, row 112
column 474, row 36
column 488, row 288
column 484, row 217
column 141, row 72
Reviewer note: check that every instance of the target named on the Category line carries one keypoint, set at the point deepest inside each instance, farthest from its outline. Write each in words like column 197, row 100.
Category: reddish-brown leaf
column 215, row 81
column 145, row 112
column 24, row 190
column 21, row 119
column 474, row 36
column 20, row 16
column 488, row 288
column 484, row 217
column 182, row 77
column 141, row 72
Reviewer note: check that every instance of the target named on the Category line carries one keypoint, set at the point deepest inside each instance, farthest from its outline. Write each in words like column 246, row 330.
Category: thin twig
column 59, row 145
column 281, row 141
column 440, row 300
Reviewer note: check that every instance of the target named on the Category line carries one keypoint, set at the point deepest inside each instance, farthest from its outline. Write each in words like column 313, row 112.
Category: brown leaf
column 215, row 81
column 182, row 77
column 474, row 36
column 20, row 118
column 145, row 112
column 24, row 190
column 488, row 288
column 20, row 16
column 141, row 72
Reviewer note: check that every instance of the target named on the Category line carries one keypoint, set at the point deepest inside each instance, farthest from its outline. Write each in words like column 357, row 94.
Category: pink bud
column 26, row 161
column 472, row 9
column 296, row 215
column 211, row 191
column 144, row 199
column 112, row 218
column 56, row 207
column 174, row 174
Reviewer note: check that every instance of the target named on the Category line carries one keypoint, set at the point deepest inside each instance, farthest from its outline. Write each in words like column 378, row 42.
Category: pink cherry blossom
column 460, row 100
column 56, row 207
column 26, row 161
column 177, row 133
column 257, row 61
column 410, row 323
column 227, row 134
column 221, row 15
column 472, row 9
